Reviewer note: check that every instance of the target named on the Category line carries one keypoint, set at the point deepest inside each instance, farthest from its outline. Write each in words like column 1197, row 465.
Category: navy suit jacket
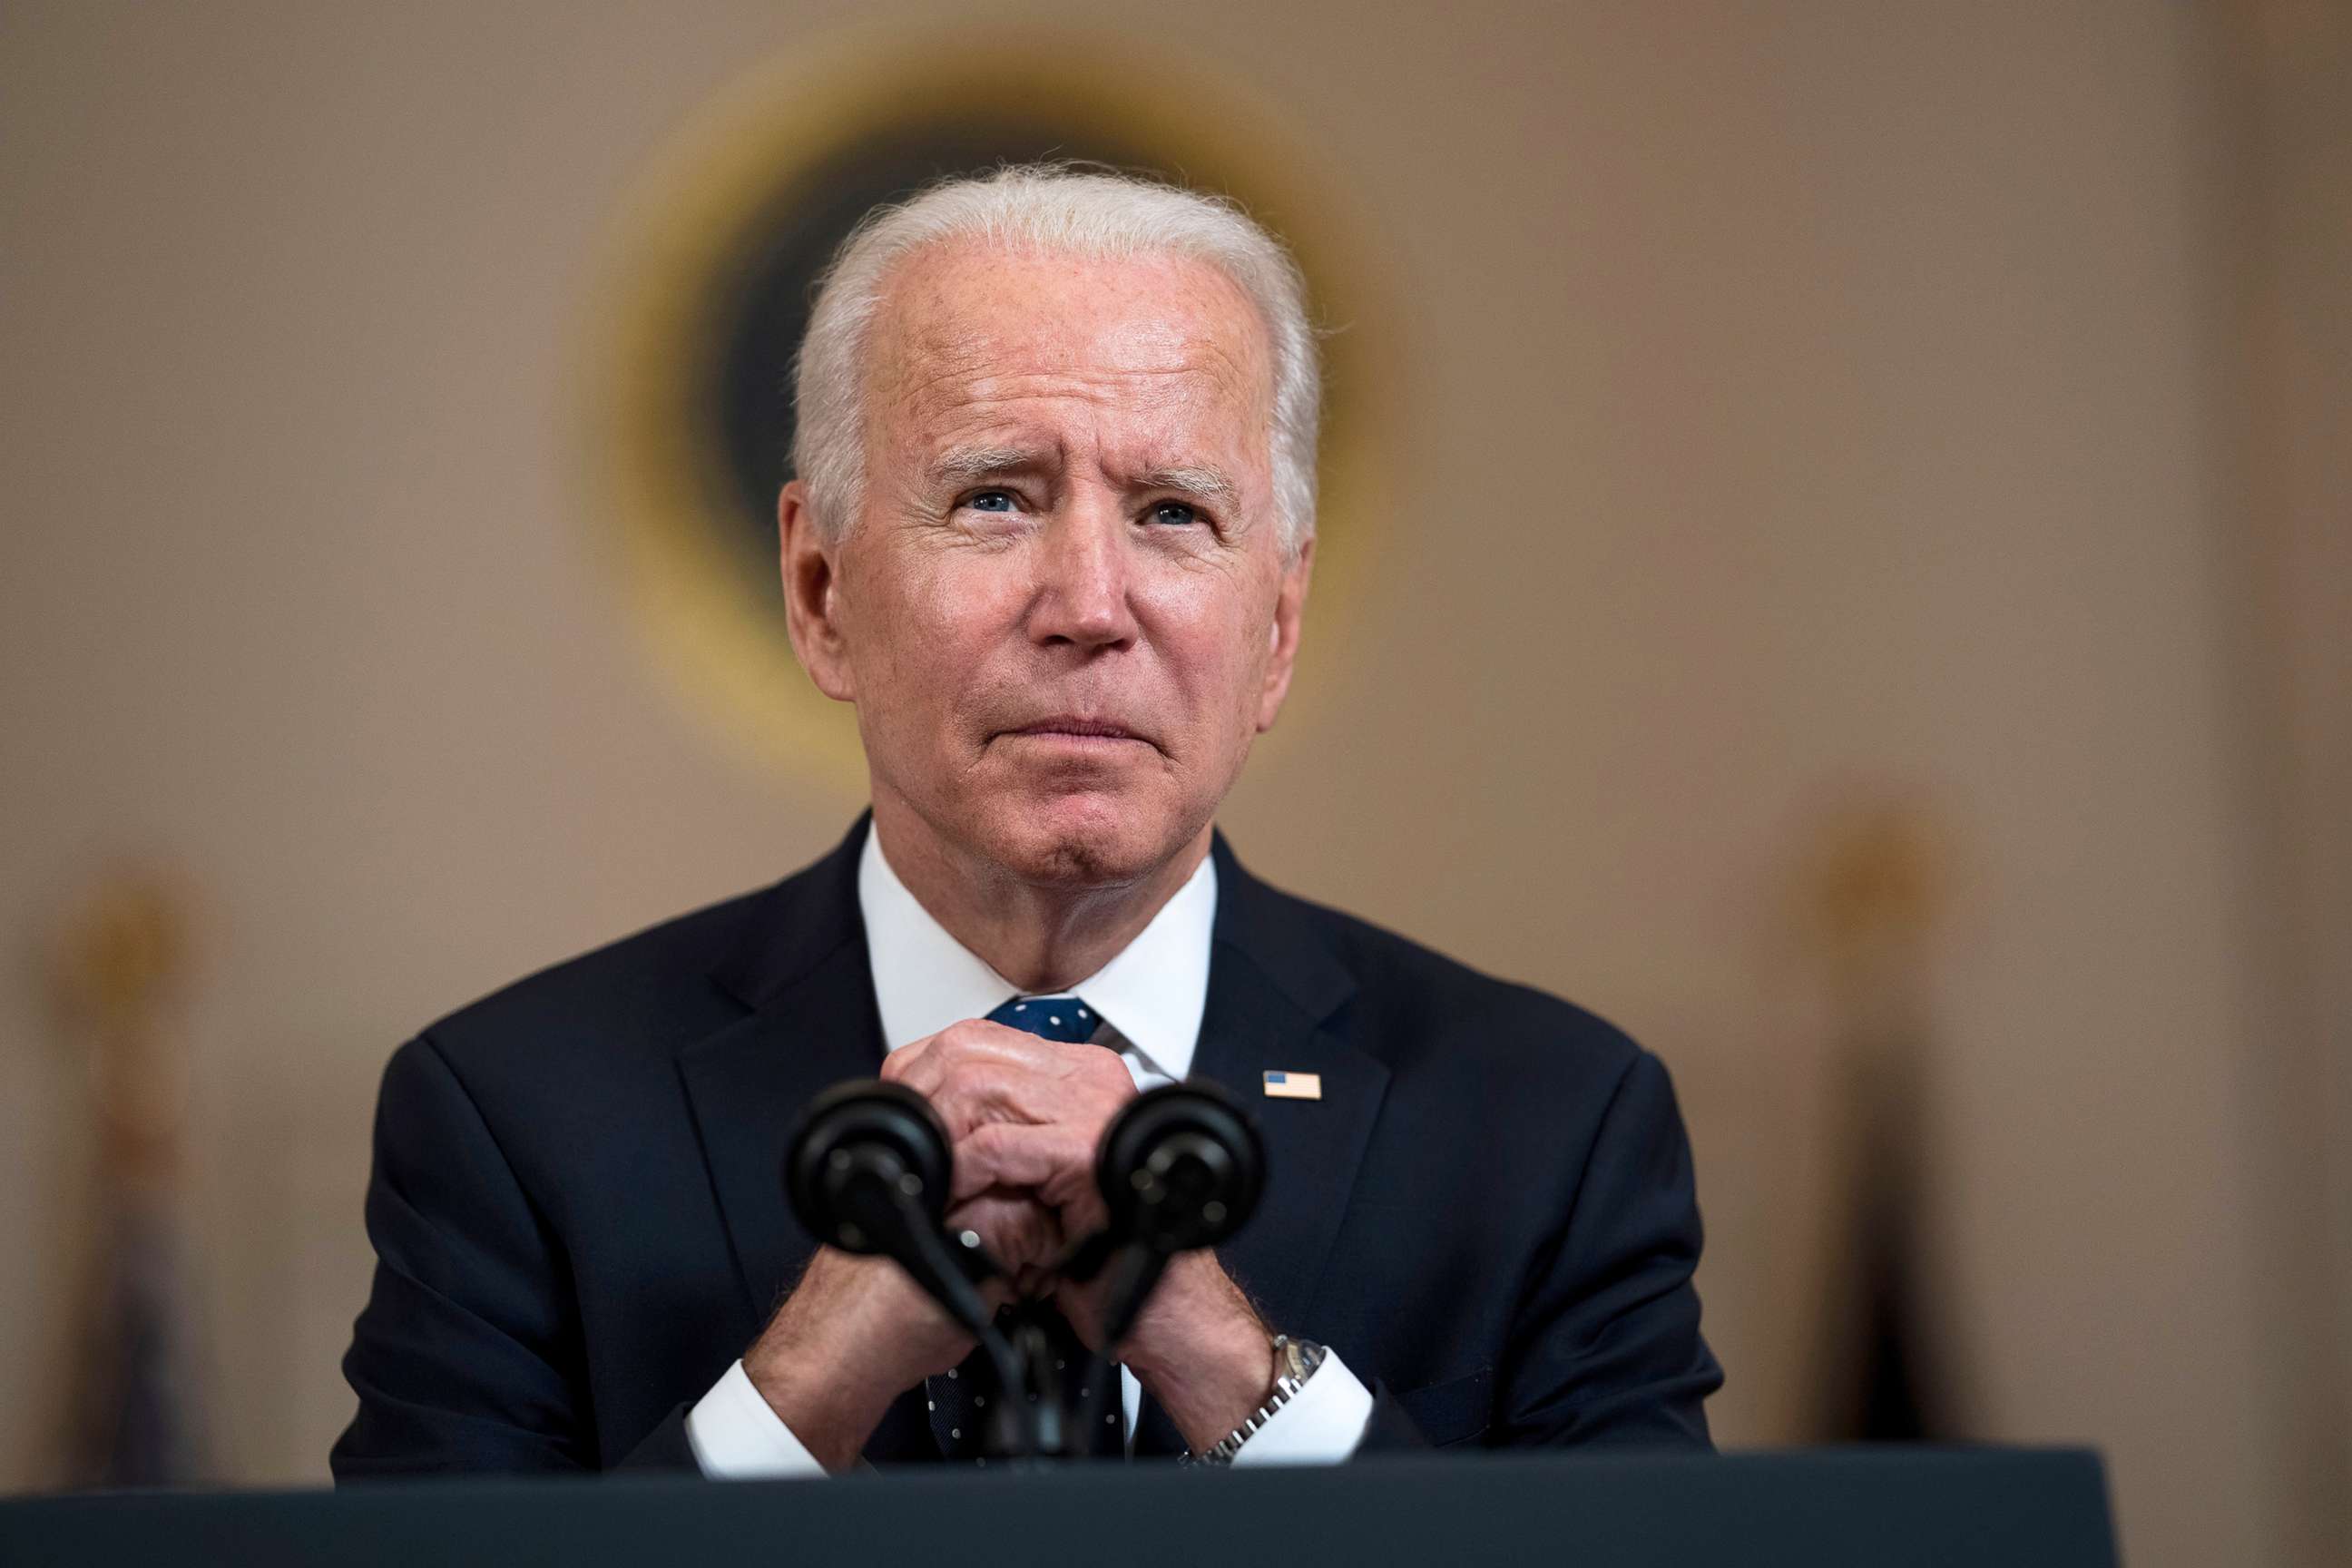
column 579, row 1217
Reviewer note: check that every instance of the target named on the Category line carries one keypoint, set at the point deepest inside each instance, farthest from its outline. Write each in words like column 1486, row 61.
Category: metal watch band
column 1295, row 1361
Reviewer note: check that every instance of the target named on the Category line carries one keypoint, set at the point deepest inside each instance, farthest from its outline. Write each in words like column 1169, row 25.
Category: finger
column 905, row 1064
column 977, row 1040
column 1018, row 1155
column 977, row 1094
column 1084, row 1087
column 971, row 1093
column 964, row 1094
column 961, row 1106
column 923, row 1065
column 1054, row 1160
column 1019, row 1232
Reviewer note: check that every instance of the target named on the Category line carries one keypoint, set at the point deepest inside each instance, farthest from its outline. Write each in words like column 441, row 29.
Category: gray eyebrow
column 973, row 463
column 1209, row 484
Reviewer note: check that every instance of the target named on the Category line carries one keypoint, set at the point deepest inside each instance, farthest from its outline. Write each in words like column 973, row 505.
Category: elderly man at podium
column 1052, row 533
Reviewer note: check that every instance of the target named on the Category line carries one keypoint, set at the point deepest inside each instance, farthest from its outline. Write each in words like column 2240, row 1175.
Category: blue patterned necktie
column 1064, row 1018
column 960, row 1401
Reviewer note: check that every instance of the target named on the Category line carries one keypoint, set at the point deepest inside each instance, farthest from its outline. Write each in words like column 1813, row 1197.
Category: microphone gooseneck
column 868, row 1170
column 1181, row 1167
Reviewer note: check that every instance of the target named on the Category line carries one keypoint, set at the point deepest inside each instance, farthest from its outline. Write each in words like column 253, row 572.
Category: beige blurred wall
column 1801, row 397
column 2292, row 73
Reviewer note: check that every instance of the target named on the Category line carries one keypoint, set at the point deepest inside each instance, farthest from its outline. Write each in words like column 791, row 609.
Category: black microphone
column 1181, row 1167
column 868, row 1170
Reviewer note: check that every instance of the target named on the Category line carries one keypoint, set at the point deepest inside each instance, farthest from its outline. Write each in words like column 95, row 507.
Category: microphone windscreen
column 865, row 1129
column 1184, row 1160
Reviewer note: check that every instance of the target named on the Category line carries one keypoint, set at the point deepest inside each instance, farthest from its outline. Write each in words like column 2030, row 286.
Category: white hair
column 1057, row 208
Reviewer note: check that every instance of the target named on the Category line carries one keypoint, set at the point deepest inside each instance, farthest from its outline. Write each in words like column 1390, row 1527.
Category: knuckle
column 965, row 1080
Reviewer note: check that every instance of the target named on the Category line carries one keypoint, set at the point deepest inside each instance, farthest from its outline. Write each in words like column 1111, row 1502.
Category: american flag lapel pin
column 1294, row 1085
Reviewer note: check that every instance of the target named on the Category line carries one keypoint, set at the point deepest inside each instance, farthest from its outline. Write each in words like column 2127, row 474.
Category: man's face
column 1065, row 610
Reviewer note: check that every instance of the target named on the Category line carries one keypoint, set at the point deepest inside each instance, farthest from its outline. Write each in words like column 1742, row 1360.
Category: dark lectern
column 1980, row 1507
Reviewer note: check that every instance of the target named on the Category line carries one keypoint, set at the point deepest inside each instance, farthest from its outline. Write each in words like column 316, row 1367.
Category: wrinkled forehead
column 962, row 327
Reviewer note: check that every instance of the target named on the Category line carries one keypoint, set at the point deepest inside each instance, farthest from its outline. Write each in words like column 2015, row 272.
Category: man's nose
column 1083, row 580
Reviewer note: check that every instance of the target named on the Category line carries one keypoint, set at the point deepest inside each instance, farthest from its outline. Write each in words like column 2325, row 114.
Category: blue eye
column 1174, row 512
column 990, row 500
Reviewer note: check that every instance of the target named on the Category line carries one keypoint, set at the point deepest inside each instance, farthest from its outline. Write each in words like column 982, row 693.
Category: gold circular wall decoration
column 696, row 316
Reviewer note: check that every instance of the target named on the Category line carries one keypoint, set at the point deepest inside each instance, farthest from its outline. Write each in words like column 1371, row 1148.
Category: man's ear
column 1289, row 610
column 812, row 594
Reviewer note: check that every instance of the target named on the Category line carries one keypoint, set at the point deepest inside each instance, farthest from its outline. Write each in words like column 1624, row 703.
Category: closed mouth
column 1068, row 727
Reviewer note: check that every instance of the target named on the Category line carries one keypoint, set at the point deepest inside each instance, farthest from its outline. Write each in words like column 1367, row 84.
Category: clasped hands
column 1025, row 1115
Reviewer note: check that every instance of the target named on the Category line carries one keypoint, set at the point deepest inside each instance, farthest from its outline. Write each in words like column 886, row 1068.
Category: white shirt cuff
column 1320, row 1426
column 736, row 1437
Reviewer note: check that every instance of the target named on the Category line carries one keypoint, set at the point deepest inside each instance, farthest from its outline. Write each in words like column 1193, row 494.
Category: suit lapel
column 1274, row 987
column 803, row 971
column 747, row 1084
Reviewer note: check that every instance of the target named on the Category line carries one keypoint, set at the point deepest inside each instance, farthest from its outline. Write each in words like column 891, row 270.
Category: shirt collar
column 1153, row 991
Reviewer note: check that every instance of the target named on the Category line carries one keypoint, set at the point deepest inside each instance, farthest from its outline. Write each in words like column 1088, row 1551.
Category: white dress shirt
column 1151, row 994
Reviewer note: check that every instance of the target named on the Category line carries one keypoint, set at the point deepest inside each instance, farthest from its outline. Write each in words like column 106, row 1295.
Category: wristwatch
column 1295, row 1361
